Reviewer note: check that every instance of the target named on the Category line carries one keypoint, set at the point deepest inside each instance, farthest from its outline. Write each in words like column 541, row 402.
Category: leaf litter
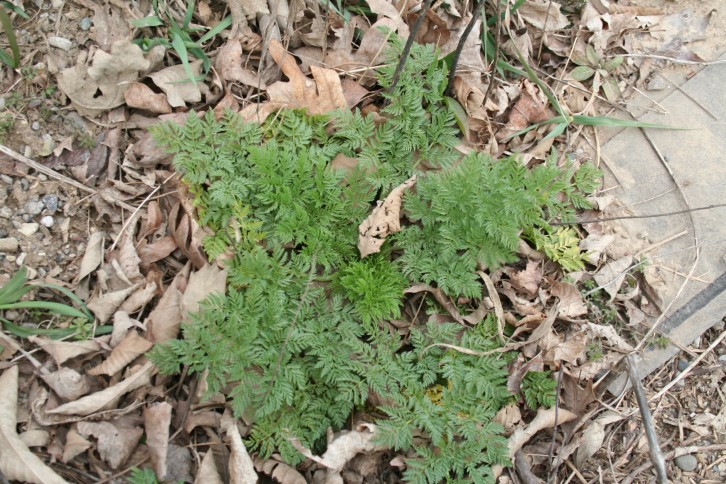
column 121, row 81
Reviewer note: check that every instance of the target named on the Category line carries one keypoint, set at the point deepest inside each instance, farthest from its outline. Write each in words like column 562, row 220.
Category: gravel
column 28, row 229
column 9, row 244
column 47, row 221
column 686, row 463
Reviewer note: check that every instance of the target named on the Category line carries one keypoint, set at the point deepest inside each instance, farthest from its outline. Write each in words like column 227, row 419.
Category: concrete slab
column 658, row 171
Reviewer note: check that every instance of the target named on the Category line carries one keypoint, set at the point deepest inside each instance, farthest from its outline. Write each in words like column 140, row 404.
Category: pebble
column 60, row 43
column 24, row 183
column 686, row 463
column 10, row 258
column 28, row 229
column 21, row 259
column 656, row 83
column 682, row 365
column 3, row 233
column 27, row 218
column 6, row 212
column 51, row 203
column 47, row 221
column 9, row 244
column 722, row 358
column 85, row 23
column 35, row 126
column 6, row 179
column 33, row 206
column 42, row 177
column 11, row 314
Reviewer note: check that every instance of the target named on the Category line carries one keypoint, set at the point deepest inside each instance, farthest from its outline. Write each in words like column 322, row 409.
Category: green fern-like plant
column 538, row 388
column 297, row 340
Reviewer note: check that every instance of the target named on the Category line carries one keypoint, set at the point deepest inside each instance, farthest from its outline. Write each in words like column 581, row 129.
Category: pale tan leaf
column 114, row 443
column 353, row 92
column 383, row 221
column 127, row 351
column 203, row 282
column 204, row 419
column 62, row 351
column 384, row 8
column 99, row 88
column 129, row 259
column 105, row 305
column 157, row 250
column 229, row 65
column 157, row 418
column 545, row 419
column 508, row 417
column 571, row 301
column 140, row 96
column 611, row 335
column 241, row 468
column 250, row 8
column 76, row 444
column 611, row 276
column 67, row 383
column 529, row 279
column 122, row 324
column 17, row 462
column 139, row 298
column 35, row 438
column 177, row 85
column 208, row 473
column 100, row 400
column 543, row 14
column 344, row 446
column 281, row 472
column 93, row 256
column 164, row 321
column 595, row 245
column 556, row 349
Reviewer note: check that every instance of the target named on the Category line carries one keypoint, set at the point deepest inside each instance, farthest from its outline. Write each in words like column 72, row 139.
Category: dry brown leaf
column 545, row 419
column 543, row 14
column 128, row 258
column 114, row 442
column 104, row 306
column 140, row 96
column 157, row 250
column 229, row 65
column 440, row 297
column 508, row 417
column 203, row 419
column 99, row 88
column 76, row 444
column 203, row 282
column 611, row 335
column 100, row 400
column 320, row 96
column 281, row 472
column 139, row 298
column 595, row 245
column 157, row 418
column 353, row 92
column 35, row 438
column 93, row 256
column 556, row 349
column 62, row 351
column 164, row 321
column 67, row 383
column 175, row 82
column 594, row 435
column 127, row 351
column 17, row 462
column 344, row 446
column 208, row 473
column 250, row 8
column 241, row 468
column 122, row 324
column 531, row 107
column 187, row 233
column 384, row 8
column 9, row 346
column 383, row 221
column 528, row 280
column 611, row 276
column 571, row 301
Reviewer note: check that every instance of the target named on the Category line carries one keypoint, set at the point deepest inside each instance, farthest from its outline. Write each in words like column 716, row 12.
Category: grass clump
column 299, row 337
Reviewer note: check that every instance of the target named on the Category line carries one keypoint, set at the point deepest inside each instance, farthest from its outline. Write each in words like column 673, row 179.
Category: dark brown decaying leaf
column 528, row 280
column 531, row 107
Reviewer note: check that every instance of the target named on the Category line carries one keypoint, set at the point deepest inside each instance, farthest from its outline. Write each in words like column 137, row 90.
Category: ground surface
column 98, row 141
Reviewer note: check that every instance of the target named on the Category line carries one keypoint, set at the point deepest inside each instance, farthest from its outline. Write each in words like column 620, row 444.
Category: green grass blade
column 181, row 49
column 152, row 21
column 12, row 41
column 53, row 307
column 10, row 289
column 68, row 293
column 226, row 22
column 619, row 123
column 188, row 14
column 462, row 120
column 53, row 333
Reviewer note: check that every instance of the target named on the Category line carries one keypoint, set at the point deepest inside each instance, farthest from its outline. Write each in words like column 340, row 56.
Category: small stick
column 655, row 453
column 460, row 47
column 650, row 215
column 409, row 43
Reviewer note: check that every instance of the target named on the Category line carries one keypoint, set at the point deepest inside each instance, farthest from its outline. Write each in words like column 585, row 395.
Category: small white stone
column 19, row 261
column 28, row 229
column 60, row 43
column 47, row 221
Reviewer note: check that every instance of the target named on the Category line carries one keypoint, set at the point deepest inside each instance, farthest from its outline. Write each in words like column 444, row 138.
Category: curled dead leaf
column 127, row 351
column 114, row 442
column 157, row 418
column 93, row 256
column 67, row 383
column 383, row 221
column 241, row 468
column 62, row 351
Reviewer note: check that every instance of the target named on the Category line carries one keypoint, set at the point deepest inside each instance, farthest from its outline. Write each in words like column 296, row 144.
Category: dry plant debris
column 104, row 217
